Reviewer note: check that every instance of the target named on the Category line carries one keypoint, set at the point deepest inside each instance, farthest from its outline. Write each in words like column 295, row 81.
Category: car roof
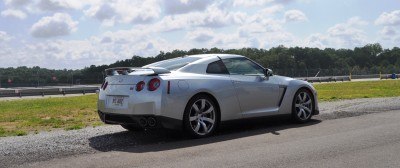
column 222, row 56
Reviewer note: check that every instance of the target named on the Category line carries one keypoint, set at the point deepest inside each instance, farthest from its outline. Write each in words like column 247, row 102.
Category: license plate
column 118, row 102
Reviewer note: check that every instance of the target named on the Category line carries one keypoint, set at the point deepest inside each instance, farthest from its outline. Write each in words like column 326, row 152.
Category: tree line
column 288, row 61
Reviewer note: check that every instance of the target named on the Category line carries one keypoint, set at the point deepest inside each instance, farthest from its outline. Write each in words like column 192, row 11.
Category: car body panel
column 250, row 88
column 237, row 96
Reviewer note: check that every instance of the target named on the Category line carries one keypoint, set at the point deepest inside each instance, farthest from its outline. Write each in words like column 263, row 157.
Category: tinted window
column 173, row 64
column 242, row 66
column 217, row 67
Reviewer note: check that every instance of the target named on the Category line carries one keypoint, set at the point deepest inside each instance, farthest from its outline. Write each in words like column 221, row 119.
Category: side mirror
column 268, row 72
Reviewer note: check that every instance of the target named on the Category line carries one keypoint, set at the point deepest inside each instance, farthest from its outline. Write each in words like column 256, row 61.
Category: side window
column 217, row 67
column 242, row 66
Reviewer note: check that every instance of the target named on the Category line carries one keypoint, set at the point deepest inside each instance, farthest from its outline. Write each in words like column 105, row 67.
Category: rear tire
column 132, row 128
column 303, row 106
column 201, row 116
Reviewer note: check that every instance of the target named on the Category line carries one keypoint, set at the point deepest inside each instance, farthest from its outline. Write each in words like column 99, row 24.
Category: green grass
column 19, row 117
column 353, row 90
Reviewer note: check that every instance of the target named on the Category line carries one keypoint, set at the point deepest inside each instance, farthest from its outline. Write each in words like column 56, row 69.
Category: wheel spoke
column 297, row 105
column 193, row 118
column 208, row 120
column 299, row 112
column 209, row 110
column 197, row 127
column 307, row 109
column 307, row 102
column 304, row 115
column 203, row 104
column 304, row 97
column 204, row 126
column 299, row 98
column 196, row 108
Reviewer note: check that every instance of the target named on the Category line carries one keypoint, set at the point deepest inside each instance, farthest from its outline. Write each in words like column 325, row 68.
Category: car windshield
column 173, row 64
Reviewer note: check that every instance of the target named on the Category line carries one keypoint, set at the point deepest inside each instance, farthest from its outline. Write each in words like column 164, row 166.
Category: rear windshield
column 173, row 64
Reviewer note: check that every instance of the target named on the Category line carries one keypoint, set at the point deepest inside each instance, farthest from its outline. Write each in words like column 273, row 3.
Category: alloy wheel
column 202, row 117
column 303, row 105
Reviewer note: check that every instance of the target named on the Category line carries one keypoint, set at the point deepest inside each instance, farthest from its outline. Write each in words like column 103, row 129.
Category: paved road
column 356, row 133
column 364, row 141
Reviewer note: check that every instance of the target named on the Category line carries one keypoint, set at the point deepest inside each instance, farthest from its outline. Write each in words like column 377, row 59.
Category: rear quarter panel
column 184, row 86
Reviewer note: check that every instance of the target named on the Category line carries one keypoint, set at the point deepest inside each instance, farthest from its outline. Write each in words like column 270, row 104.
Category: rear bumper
column 144, row 121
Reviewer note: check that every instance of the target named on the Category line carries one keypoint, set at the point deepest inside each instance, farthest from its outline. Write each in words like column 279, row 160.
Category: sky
column 74, row 34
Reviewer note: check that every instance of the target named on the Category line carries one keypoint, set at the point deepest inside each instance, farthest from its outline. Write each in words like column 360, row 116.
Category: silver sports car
column 196, row 93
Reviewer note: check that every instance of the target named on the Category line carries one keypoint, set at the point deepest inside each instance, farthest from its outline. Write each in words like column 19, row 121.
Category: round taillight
column 154, row 84
column 139, row 86
column 105, row 86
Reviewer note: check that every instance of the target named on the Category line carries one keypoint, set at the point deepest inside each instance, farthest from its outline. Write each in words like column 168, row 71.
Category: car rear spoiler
column 136, row 70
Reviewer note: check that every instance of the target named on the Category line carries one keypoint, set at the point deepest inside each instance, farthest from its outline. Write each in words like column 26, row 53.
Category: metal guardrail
column 19, row 92
column 365, row 76
column 347, row 78
column 326, row 79
column 389, row 76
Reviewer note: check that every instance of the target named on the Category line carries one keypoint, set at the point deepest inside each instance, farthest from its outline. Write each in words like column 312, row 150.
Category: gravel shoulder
column 15, row 151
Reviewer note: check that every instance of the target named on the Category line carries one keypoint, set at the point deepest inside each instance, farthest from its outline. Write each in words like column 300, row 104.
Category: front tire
column 302, row 106
column 201, row 116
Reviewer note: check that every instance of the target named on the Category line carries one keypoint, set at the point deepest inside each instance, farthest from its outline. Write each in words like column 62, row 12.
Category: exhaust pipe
column 143, row 122
column 151, row 121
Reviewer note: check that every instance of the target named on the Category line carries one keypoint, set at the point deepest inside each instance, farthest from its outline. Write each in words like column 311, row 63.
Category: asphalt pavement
column 351, row 133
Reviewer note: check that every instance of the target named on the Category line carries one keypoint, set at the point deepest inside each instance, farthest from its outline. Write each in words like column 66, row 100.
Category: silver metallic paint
column 238, row 96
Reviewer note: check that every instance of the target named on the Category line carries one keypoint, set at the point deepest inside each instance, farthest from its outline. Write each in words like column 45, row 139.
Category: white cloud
column 16, row 3
column 212, row 17
column 262, row 22
column 356, row 21
column 106, row 40
column 388, row 31
column 96, row 50
column 272, row 10
column 125, row 11
column 102, row 12
column 4, row 36
column 57, row 5
column 257, row 28
column 392, row 18
column 265, row 16
column 258, row 3
column 53, row 5
column 13, row 14
column 59, row 24
column 349, row 34
column 317, row 40
column 201, row 35
column 185, row 6
column 251, row 3
column 295, row 16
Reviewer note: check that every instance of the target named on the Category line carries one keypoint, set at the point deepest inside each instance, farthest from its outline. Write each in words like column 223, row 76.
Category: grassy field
column 352, row 90
column 20, row 117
